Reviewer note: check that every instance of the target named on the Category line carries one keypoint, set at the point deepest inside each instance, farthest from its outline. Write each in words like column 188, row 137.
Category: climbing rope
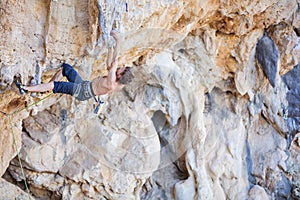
column 30, row 105
column 18, row 155
column 10, row 115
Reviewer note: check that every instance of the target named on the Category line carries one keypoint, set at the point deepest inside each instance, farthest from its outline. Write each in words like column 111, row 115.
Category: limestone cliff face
column 213, row 111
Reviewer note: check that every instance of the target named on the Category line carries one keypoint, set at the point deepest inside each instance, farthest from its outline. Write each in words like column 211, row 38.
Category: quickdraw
column 99, row 105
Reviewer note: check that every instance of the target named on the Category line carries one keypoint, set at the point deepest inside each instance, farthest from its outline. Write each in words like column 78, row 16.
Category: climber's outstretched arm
column 113, row 52
column 109, row 57
column 116, row 35
column 111, row 76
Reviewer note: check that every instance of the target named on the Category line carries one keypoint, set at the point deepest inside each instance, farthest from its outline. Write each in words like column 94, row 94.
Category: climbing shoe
column 20, row 86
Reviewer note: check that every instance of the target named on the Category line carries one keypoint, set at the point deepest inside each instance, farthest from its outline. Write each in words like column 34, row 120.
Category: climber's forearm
column 116, row 36
column 109, row 58
column 116, row 51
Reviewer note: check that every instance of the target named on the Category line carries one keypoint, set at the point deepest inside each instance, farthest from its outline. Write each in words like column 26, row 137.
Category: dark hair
column 126, row 77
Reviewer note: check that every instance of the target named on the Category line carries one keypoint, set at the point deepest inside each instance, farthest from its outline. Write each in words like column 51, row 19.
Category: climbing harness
column 99, row 105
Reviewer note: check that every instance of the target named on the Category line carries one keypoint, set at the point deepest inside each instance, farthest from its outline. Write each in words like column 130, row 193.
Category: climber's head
column 124, row 75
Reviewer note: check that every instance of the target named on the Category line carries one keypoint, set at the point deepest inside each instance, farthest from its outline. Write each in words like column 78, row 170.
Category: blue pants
column 81, row 90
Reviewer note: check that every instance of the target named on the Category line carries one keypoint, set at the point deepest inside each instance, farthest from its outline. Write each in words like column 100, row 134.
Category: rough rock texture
column 293, row 98
column 10, row 191
column 213, row 111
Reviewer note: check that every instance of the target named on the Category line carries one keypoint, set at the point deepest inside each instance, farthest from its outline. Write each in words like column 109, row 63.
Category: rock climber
column 84, row 90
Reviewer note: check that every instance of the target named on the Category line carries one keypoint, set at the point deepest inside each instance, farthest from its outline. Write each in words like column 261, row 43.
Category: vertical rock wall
column 213, row 112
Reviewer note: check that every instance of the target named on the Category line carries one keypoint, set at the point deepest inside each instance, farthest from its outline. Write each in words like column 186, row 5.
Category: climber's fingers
column 115, row 34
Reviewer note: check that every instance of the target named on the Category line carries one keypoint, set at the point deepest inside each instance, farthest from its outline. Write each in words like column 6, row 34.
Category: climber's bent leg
column 57, row 76
column 71, row 74
column 65, row 87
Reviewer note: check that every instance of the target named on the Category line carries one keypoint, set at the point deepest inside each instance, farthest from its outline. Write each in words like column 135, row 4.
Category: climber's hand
column 115, row 34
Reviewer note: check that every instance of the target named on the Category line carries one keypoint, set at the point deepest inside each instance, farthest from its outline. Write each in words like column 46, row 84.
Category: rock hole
column 139, row 61
column 297, row 31
column 181, row 51
column 163, row 180
column 208, row 103
column 247, row 26
column 180, row 164
column 9, row 177
column 159, row 121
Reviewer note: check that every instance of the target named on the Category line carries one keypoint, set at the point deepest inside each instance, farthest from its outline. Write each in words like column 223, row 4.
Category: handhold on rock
column 5, row 78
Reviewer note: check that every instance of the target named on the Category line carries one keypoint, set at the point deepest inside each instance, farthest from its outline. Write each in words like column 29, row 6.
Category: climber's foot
column 20, row 86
